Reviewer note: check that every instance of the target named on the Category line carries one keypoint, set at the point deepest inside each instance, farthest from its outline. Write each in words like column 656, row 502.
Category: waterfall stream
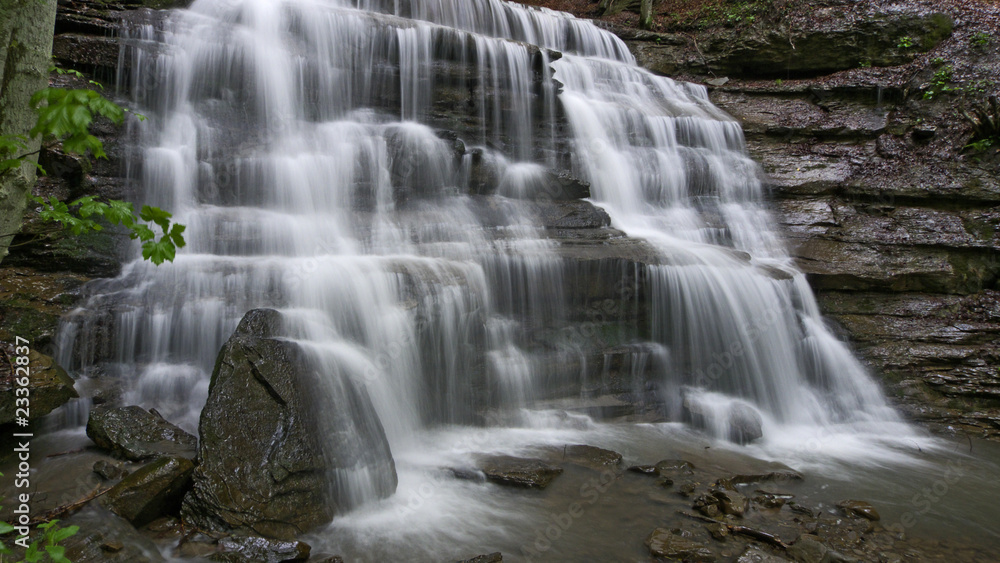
column 383, row 173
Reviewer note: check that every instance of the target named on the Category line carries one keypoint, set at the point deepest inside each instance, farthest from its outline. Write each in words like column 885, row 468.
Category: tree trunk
column 646, row 14
column 26, row 30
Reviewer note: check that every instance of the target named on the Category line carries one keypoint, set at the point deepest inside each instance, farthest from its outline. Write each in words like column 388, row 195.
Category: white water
column 296, row 140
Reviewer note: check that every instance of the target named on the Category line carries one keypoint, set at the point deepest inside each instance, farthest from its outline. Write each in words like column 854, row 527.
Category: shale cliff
column 856, row 112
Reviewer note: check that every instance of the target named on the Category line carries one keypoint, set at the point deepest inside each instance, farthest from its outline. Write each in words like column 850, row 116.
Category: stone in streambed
column 745, row 424
column 731, row 502
column 664, row 543
column 496, row 557
column 754, row 554
column 668, row 467
column 859, row 508
column 136, row 434
column 154, row 490
column 518, row 471
column 253, row 549
column 586, row 456
column 109, row 471
column 808, row 549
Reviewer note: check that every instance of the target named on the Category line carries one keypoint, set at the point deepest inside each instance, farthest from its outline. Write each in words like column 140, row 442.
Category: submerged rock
column 859, row 508
column 745, row 424
column 754, row 554
column 153, row 491
column 496, row 557
column 664, row 543
column 109, row 471
column 136, row 434
column 668, row 467
column 518, row 471
column 808, row 549
column 586, row 456
column 731, row 502
column 281, row 446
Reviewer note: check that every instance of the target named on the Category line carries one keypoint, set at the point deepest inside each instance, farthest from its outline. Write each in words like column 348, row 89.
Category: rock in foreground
column 136, row 434
column 250, row 549
column 279, row 442
column 664, row 543
column 151, row 492
column 518, row 471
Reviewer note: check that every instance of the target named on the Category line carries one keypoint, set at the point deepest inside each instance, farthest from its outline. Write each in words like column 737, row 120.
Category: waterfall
column 380, row 171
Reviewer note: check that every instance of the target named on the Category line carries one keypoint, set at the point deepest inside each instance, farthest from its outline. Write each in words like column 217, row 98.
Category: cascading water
column 328, row 158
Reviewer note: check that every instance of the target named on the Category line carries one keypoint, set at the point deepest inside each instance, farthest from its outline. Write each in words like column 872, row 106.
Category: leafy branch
column 65, row 116
column 80, row 217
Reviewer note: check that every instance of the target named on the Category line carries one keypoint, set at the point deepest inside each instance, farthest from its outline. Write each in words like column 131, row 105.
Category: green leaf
column 5, row 528
column 64, row 533
column 120, row 213
column 156, row 215
column 159, row 251
column 143, row 233
column 57, row 553
column 176, row 232
column 32, row 555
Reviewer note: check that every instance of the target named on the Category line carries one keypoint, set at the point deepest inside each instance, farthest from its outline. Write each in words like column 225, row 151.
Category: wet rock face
column 265, row 465
column 586, row 456
column 250, row 549
column 664, row 543
column 859, row 508
column 834, row 45
column 135, row 434
column 154, row 490
column 49, row 385
column 518, row 472
column 745, row 424
column 894, row 223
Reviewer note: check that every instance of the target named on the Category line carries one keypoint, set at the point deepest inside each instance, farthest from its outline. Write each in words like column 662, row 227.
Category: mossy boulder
column 49, row 386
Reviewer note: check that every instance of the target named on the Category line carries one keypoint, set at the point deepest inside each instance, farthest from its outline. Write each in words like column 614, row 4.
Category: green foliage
column 905, row 42
column 980, row 39
column 45, row 547
column 867, row 63
column 76, row 73
column 66, row 115
column 981, row 145
column 979, row 87
column 985, row 120
column 940, row 83
column 10, row 146
column 937, row 61
column 81, row 216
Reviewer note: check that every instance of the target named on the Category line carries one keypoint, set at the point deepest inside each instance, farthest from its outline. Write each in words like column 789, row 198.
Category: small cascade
column 381, row 172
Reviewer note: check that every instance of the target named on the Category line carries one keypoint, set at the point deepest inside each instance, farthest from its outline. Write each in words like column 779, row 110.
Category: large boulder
column 136, row 434
column 282, row 447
